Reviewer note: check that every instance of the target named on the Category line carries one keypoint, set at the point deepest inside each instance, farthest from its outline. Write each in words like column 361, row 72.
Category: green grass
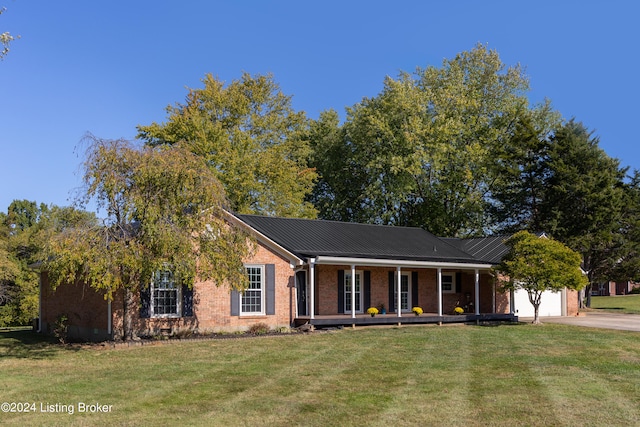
column 628, row 304
column 550, row 375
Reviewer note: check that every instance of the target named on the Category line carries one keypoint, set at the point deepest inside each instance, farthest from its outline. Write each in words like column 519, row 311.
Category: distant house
column 324, row 273
column 614, row 288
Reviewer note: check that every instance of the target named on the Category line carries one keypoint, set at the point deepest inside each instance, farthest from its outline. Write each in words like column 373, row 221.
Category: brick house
column 309, row 271
column 614, row 288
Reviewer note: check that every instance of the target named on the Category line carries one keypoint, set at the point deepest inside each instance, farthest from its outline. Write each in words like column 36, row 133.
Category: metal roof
column 487, row 249
column 312, row 238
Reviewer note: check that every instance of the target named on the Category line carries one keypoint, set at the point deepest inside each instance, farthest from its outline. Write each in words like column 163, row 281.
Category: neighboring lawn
column 550, row 375
column 629, row 304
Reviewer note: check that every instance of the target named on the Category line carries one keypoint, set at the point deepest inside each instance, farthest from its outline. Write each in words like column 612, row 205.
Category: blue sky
column 106, row 66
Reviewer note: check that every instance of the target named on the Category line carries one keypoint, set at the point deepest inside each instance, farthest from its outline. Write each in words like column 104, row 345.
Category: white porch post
column 477, row 298
column 439, row 291
column 353, row 291
column 399, row 289
column 312, row 287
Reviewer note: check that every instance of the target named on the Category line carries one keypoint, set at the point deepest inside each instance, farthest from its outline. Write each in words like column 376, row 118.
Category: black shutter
column 340, row 291
column 235, row 302
column 458, row 282
column 145, row 302
column 392, row 300
column 367, row 290
column 187, row 301
column 414, row 289
column 270, row 280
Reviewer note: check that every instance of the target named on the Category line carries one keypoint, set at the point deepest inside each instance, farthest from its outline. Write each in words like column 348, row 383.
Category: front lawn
column 628, row 304
column 550, row 375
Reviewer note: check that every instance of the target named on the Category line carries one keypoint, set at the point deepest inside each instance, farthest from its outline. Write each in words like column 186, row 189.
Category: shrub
column 259, row 329
column 60, row 328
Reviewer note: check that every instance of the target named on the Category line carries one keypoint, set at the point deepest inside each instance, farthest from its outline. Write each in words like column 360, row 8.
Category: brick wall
column 212, row 304
column 573, row 300
column 85, row 309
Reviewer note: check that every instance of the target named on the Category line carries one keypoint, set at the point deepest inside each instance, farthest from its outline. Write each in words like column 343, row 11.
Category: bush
column 259, row 329
column 60, row 328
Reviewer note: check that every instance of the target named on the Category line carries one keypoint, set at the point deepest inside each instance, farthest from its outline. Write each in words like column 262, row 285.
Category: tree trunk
column 126, row 316
column 536, row 314
column 587, row 290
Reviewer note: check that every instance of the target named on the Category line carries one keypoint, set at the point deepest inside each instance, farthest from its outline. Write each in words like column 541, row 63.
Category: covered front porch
column 337, row 291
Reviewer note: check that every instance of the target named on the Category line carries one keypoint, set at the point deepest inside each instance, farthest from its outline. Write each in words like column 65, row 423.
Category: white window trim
column 453, row 283
column 263, row 291
column 409, row 296
column 168, row 315
column 347, row 290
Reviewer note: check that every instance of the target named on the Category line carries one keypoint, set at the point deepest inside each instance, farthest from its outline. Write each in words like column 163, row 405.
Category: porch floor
column 407, row 318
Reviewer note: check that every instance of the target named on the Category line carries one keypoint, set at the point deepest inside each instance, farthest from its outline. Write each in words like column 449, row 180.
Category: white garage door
column 550, row 304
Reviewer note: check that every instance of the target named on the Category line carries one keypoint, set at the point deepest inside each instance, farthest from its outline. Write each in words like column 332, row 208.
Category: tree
column 9, row 268
column 538, row 264
column 627, row 266
column 252, row 140
column 19, row 284
column 520, row 173
column 584, row 200
column 419, row 153
column 165, row 210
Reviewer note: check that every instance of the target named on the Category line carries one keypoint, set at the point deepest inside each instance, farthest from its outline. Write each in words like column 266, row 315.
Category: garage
column 550, row 304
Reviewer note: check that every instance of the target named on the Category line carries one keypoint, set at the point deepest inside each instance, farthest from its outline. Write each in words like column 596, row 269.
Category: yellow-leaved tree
column 165, row 209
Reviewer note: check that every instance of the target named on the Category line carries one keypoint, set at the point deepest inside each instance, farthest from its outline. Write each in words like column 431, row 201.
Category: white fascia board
column 377, row 262
column 294, row 260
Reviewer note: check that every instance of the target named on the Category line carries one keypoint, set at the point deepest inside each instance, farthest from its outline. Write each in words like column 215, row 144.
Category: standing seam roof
column 311, row 238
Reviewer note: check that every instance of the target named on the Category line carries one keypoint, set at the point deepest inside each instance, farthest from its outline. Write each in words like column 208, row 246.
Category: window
column 347, row 291
column 252, row 300
column 448, row 283
column 165, row 295
column 405, row 292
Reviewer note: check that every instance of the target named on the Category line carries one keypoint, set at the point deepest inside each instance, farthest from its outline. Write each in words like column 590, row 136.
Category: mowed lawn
column 525, row 375
column 628, row 304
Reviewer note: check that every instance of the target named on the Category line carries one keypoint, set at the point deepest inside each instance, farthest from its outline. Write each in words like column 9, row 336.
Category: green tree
column 584, row 200
column 165, row 209
column 252, row 140
column 627, row 265
column 520, row 173
column 420, row 152
column 19, row 285
column 9, row 270
column 539, row 264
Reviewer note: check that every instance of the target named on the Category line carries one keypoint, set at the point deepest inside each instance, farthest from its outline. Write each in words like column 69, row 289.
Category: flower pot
column 373, row 315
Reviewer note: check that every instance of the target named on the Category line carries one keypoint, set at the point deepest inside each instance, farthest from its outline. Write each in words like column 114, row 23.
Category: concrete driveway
column 624, row 322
